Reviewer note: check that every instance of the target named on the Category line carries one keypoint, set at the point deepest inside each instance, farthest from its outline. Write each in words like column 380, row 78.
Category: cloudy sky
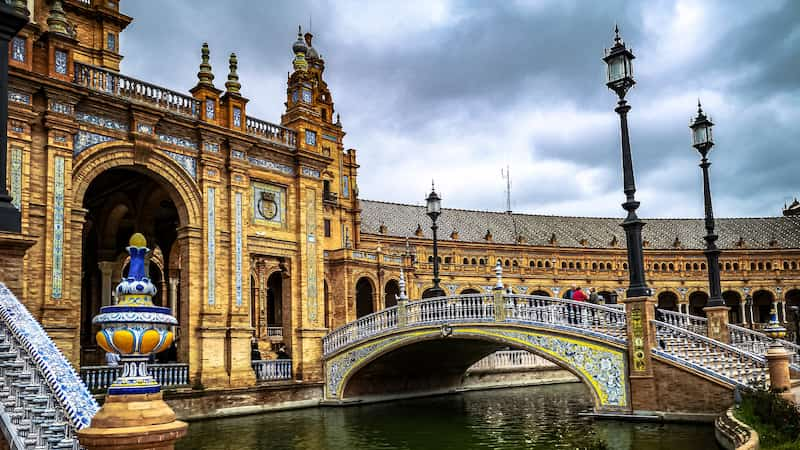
column 455, row 91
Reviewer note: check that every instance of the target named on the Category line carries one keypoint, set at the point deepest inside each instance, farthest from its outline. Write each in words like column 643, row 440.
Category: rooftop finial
column 338, row 120
column 57, row 20
column 204, row 76
column 402, row 284
column 498, row 270
column 299, row 48
column 617, row 38
column 233, row 85
column 22, row 7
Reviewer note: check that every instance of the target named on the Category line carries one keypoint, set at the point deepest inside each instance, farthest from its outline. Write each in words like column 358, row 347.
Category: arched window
column 563, row 265
column 508, row 263
column 794, row 265
column 547, row 264
column 474, row 261
column 482, row 262
column 447, row 260
column 577, row 265
column 430, row 259
column 727, row 266
column 785, row 265
column 571, row 265
column 539, row 264
column 655, row 267
column 594, row 266
column 752, row 266
column 466, row 261
column 532, row 264
column 769, row 266
column 702, row 266
column 688, row 266
column 439, row 258
column 761, row 266
column 735, row 266
column 624, row 266
column 671, row 267
column 695, row 266
column 514, row 263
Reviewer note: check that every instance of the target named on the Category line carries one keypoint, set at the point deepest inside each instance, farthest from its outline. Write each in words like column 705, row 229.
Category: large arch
column 434, row 358
column 365, row 297
column 390, row 293
column 181, row 190
column 697, row 301
column 733, row 300
column 762, row 303
column 668, row 300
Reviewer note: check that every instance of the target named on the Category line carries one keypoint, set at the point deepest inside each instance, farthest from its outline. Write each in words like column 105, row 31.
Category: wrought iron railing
column 271, row 132
column 601, row 321
column 99, row 378
column 275, row 332
column 113, row 83
column 724, row 362
column 42, row 400
column 273, row 369
column 511, row 360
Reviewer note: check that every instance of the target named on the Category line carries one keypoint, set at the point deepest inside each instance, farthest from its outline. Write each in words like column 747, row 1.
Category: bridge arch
column 434, row 358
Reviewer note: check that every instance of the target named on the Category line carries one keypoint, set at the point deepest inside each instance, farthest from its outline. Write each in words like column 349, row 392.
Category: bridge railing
column 44, row 401
column 511, row 360
column 722, row 361
column 273, row 369
column 99, row 378
column 602, row 320
column 756, row 342
column 689, row 322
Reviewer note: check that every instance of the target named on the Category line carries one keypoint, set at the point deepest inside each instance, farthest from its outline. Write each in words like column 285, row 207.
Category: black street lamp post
column 434, row 208
column 619, row 79
column 10, row 24
column 703, row 141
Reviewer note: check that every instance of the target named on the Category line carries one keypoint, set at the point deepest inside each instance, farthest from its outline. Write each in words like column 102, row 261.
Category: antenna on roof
column 507, row 176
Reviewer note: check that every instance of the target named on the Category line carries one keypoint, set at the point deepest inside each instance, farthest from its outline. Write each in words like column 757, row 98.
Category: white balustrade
column 606, row 321
column 511, row 360
column 725, row 362
column 756, row 342
column 273, row 369
column 689, row 322
column 99, row 378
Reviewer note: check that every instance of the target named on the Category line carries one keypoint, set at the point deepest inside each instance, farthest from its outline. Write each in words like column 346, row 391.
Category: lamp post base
column 718, row 323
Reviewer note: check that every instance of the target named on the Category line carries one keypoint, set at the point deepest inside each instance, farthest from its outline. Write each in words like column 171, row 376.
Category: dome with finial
column 299, row 45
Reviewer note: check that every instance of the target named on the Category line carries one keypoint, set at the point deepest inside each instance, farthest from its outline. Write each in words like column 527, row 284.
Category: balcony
column 330, row 197
column 273, row 369
column 99, row 378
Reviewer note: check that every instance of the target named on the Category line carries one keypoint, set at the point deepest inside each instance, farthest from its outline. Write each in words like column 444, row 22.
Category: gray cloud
column 455, row 90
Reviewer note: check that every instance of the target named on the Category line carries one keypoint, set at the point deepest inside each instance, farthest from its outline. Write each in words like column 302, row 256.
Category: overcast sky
column 455, row 91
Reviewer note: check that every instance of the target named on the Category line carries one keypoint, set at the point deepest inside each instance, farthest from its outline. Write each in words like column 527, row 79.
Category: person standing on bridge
column 579, row 295
column 593, row 297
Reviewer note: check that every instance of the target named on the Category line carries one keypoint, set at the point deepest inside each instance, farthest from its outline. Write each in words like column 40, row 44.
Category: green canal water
column 540, row 417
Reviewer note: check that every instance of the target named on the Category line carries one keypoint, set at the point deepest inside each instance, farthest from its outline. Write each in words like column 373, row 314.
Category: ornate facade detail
column 312, row 304
column 19, row 97
column 86, row 139
column 309, row 172
column 189, row 163
column 104, row 122
column 271, row 165
column 238, row 248
column 16, row 177
column 61, row 108
column 212, row 245
column 211, row 147
column 177, row 141
column 58, row 227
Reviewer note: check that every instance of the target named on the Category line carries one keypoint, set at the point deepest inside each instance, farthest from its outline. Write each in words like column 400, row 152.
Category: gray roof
column 578, row 232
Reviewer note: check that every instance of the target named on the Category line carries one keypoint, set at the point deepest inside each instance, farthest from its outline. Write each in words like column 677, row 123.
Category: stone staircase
column 42, row 399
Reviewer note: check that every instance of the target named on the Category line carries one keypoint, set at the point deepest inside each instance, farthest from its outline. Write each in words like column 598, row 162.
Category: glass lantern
column 434, row 204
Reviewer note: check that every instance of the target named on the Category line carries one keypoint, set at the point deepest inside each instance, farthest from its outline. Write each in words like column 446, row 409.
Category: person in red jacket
column 578, row 295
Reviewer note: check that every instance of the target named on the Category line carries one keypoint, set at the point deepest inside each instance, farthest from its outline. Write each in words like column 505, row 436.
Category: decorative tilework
column 58, row 226
column 238, row 247
column 271, row 165
column 17, row 127
column 311, row 137
column 312, row 304
column 100, row 121
column 237, row 116
column 74, row 400
column 61, row 108
column 309, row 172
column 211, row 147
column 177, row 141
column 144, row 128
column 85, row 139
column 210, row 108
column 60, row 138
column 329, row 137
column 18, row 49
column 188, row 163
column 61, row 62
column 19, row 97
column 238, row 154
column 452, row 288
column 16, row 177
column 212, row 246
column 269, row 204
column 345, row 187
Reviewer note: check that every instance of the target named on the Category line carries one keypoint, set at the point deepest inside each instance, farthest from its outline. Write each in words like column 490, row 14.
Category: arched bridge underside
column 434, row 358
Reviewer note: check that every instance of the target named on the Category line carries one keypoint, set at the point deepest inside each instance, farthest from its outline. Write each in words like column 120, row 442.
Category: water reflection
column 544, row 417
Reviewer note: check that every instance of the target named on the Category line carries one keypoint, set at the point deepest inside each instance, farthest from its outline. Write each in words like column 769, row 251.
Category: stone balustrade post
column 779, row 377
column 718, row 323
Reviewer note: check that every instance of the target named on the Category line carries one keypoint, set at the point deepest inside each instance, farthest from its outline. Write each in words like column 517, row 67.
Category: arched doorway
column 608, row 297
column 698, row 301
column 364, row 297
column 120, row 202
column 762, row 303
column 390, row 293
column 275, row 300
column 668, row 301
column 733, row 300
column 470, row 291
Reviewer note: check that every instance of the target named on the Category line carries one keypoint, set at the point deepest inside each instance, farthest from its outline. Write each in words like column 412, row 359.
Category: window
column 785, row 265
column 507, row 263
column 18, row 49
column 237, row 116
column 761, row 266
column 111, row 42
column 624, row 266
column 769, row 266
column 539, row 264
column 324, row 113
column 671, row 267
column 465, row 261
column 210, row 108
column 702, row 266
column 563, row 265
column 571, row 265
column 533, row 263
column 447, row 260
column 482, row 262
column 794, row 265
column 326, row 187
column 345, row 187
column 327, row 224
column 547, row 264
column 474, row 262
column 594, row 266
column 577, row 265
column 688, row 266
column 61, row 62
column 735, row 266
column 752, row 266
column 311, row 138
column 430, row 259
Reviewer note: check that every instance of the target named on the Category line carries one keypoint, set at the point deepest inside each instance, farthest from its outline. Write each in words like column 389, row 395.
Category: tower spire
column 300, row 48
column 205, row 76
column 232, row 85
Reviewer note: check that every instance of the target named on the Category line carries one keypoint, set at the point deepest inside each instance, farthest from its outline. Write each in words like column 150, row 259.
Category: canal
column 540, row 417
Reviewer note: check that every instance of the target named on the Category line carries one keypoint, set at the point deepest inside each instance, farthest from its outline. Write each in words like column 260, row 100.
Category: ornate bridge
column 426, row 346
